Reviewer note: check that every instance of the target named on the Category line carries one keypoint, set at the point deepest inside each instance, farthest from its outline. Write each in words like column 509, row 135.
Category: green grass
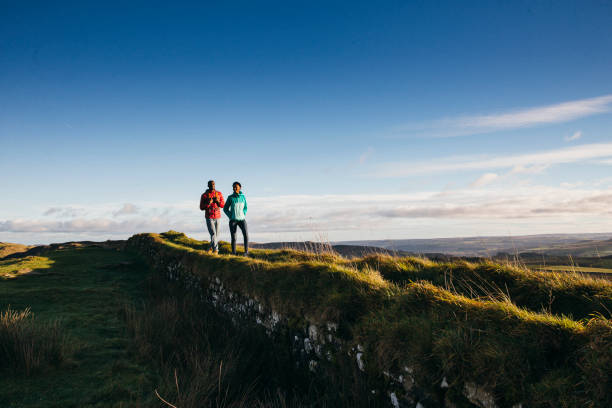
column 544, row 339
column 86, row 289
column 525, row 336
column 569, row 268
column 11, row 268
column 566, row 294
column 127, row 334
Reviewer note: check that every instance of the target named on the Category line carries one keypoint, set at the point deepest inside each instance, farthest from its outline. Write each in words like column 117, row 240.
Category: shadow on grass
column 205, row 360
column 73, row 352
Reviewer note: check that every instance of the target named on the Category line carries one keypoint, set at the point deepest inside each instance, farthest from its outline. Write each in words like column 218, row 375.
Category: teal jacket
column 235, row 207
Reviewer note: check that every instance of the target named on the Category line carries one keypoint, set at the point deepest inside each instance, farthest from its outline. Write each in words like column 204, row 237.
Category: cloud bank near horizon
column 498, row 199
column 344, row 216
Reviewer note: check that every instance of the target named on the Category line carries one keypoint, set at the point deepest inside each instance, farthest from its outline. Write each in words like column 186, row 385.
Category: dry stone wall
column 314, row 345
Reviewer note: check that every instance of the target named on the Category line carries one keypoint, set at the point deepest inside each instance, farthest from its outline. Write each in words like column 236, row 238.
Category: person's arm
column 203, row 204
column 245, row 206
column 221, row 201
column 226, row 207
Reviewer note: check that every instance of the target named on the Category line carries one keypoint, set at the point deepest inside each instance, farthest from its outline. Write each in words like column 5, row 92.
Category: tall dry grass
column 28, row 345
column 203, row 360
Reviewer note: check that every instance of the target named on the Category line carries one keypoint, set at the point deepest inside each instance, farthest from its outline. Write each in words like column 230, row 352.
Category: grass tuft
column 27, row 346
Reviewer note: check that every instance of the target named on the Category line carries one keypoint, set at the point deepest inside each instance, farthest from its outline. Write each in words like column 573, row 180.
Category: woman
column 236, row 208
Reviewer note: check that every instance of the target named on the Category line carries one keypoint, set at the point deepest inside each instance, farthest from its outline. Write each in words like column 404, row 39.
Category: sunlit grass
column 520, row 333
column 555, row 293
column 566, row 268
column 11, row 268
column 524, row 335
column 7, row 248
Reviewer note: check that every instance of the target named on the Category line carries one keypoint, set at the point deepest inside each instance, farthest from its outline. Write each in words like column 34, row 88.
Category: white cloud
column 529, row 169
column 127, row 209
column 572, row 185
column 95, row 225
column 346, row 216
column 520, row 118
column 520, row 163
column 100, row 218
column 509, row 209
column 577, row 135
column 492, row 209
column 64, row 212
column 485, row 179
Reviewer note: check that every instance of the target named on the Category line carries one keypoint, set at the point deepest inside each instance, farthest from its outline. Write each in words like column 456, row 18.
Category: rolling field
column 581, row 269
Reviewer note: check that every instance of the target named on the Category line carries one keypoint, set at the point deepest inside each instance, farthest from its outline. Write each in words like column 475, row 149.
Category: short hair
column 210, row 181
column 236, row 182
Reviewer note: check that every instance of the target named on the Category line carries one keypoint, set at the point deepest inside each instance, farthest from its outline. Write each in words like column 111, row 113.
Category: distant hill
column 590, row 245
column 586, row 248
column 594, row 255
column 7, row 248
column 353, row 251
column 344, row 250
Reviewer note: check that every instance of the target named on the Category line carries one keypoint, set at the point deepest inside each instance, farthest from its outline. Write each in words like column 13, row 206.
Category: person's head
column 211, row 184
column 236, row 186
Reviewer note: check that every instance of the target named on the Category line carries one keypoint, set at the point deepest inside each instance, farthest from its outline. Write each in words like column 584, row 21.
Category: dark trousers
column 234, row 224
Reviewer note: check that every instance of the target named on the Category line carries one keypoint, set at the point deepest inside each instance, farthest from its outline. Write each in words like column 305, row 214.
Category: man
column 236, row 208
column 212, row 202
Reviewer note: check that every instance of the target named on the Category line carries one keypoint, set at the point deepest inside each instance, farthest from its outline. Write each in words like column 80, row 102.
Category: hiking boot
column 210, row 250
column 247, row 253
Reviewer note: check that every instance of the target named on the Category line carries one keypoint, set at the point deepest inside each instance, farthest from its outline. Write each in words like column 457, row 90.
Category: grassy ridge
column 437, row 319
column 563, row 294
column 90, row 326
column 7, row 248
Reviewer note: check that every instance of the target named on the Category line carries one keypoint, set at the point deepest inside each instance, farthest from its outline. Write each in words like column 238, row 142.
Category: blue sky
column 346, row 120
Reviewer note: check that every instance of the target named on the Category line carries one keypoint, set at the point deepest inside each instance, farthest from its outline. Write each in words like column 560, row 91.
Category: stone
column 479, row 396
column 312, row 332
column 394, row 400
column 360, row 361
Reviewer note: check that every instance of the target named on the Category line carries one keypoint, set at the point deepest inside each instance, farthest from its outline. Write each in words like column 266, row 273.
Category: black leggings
column 243, row 226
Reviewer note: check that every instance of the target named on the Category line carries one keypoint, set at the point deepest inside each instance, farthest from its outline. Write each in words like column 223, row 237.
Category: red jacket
column 213, row 210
